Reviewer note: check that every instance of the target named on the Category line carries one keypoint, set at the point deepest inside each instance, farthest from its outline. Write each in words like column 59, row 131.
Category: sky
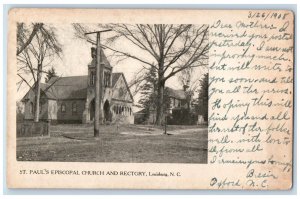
column 76, row 55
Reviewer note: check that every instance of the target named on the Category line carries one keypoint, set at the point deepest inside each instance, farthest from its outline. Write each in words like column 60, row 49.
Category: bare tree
column 169, row 48
column 185, row 76
column 22, row 39
column 191, row 78
column 37, row 47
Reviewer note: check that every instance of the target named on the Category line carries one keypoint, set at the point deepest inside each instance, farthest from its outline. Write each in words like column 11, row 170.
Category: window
column 107, row 79
column 63, row 108
column 40, row 107
column 74, row 107
column 93, row 78
column 31, row 107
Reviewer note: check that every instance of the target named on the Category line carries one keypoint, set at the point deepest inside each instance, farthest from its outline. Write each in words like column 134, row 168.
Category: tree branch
column 25, row 81
column 128, row 55
column 36, row 28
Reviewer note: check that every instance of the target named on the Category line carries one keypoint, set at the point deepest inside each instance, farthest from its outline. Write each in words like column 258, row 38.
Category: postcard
column 150, row 99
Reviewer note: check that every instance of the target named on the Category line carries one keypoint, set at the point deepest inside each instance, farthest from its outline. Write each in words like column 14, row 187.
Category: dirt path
column 159, row 132
column 181, row 131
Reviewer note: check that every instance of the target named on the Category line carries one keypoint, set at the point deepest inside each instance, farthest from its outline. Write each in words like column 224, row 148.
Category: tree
column 185, row 77
column 21, row 35
column 148, row 92
column 170, row 49
column 203, row 97
column 190, row 79
column 37, row 47
column 50, row 73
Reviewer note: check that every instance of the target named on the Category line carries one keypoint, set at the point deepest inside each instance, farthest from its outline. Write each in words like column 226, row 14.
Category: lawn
column 125, row 143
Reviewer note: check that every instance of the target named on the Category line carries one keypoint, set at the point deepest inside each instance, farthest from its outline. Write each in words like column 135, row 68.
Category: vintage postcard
column 150, row 99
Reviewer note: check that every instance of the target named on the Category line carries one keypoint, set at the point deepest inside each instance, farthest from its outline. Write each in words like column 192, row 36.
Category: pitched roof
column 115, row 77
column 72, row 87
column 178, row 94
column 103, row 59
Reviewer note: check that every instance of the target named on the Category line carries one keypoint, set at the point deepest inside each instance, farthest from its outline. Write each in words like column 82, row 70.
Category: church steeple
column 107, row 69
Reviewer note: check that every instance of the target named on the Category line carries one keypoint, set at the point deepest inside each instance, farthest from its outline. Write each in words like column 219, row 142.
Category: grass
column 140, row 144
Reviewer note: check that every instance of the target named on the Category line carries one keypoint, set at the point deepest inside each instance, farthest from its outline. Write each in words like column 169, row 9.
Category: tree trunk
column 160, row 102
column 37, row 95
column 160, row 87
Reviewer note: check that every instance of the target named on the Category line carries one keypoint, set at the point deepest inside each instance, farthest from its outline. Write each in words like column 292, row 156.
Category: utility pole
column 98, row 84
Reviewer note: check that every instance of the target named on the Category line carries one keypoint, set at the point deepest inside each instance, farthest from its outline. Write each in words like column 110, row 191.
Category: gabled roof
column 116, row 77
column 46, row 91
column 72, row 87
column 178, row 94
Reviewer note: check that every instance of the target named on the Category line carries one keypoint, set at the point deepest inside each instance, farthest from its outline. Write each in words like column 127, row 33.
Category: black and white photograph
column 156, row 99
column 133, row 93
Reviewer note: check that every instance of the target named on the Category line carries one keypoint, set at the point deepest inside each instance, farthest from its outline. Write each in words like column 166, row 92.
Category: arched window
column 63, row 108
column 106, row 79
column 74, row 107
column 31, row 107
column 93, row 78
column 40, row 107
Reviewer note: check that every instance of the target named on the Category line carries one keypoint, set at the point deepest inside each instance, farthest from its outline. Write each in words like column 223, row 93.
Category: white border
column 147, row 3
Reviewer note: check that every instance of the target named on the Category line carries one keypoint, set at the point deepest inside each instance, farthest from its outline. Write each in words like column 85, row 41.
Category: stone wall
column 33, row 129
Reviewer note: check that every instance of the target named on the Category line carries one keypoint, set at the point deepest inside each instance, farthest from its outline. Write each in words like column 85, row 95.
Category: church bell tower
column 107, row 71
column 105, row 86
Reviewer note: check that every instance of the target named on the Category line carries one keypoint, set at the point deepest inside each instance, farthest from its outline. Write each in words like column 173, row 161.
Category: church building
column 72, row 99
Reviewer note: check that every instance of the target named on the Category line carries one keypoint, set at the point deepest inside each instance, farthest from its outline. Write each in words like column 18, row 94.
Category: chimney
column 187, row 85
